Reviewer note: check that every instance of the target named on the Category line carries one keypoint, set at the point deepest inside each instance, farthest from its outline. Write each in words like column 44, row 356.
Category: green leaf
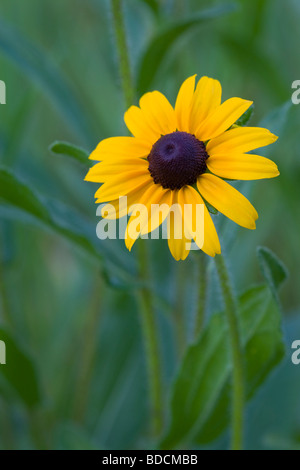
column 36, row 65
column 245, row 118
column 158, row 47
column 276, row 120
column 19, row 196
column 69, row 436
column 19, row 372
column 211, row 208
column 282, row 442
column 18, row 128
column 120, row 384
column 201, row 395
column 247, row 53
column 70, row 150
column 272, row 268
column 154, row 5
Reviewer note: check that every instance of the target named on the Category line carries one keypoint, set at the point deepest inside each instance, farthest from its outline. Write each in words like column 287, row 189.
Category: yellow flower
column 173, row 150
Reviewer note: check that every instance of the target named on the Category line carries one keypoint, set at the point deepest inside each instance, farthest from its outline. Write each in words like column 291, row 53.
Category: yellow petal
column 179, row 245
column 240, row 140
column 227, row 200
column 206, row 235
column 206, row 99
column 193, row 214
column 211, row 245
column 120, row 207
column 119, row 186
column 222, row 118
column 242, row 167
column 160, row 208
column 118, row 148
column 103, row 171
column 158, row 112
column 184, row 103
column 140, row 125
column 139, row 220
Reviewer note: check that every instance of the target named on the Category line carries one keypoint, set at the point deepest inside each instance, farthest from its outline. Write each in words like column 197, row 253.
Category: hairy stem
column 121, row 42
column 202, row 294
column 178, row 312
column 236, row 352
column 151, row 342
column 89, row 336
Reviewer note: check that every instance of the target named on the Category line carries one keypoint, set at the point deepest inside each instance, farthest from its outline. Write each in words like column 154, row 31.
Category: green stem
column 144, row 294
column 178, row 312
column 231, row 310
column 88, row 357
column 124, row 62
column 151, row 342
column 202, row 294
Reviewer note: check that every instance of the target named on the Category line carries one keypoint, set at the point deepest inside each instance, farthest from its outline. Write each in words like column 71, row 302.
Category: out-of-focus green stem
column 151, row 342
column 202, row 294
column 236, row 351
column 178, row 312
column 88, row 357
column 144, row 294
column 121, row 40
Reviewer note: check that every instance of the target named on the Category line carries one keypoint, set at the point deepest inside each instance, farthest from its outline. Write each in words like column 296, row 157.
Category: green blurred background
column 76, row 378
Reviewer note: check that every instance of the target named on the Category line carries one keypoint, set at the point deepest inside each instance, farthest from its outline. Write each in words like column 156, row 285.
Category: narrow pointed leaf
column 72, row 151
column 17, row 195
column 158, row 48
column 272, row 268
column 19, row 372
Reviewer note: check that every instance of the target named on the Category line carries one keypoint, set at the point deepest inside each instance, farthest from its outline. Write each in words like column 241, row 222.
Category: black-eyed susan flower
column 181, row 156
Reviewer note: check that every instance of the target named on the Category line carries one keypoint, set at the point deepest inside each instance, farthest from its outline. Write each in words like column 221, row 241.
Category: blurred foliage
column 76, row 374
column 201, row 399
